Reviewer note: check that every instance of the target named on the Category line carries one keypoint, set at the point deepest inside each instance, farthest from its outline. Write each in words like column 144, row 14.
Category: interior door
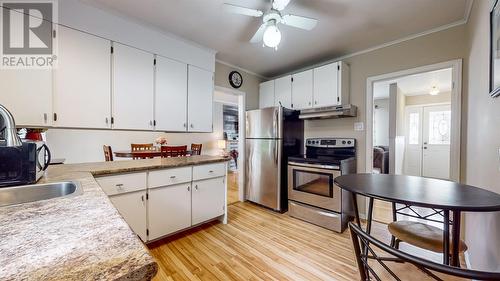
column 413, row 156
column 170, row 95
column 436, row 141
column 302, row 89
column 133, row 82
column 200, row 99
column 82, row 95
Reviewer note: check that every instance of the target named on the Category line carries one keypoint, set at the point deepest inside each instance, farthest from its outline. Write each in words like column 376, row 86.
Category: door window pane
column 439, row 127
column 414, row 128
column 312, row 182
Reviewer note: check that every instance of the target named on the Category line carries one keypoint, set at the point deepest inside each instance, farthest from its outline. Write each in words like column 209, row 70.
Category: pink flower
column 161, row 141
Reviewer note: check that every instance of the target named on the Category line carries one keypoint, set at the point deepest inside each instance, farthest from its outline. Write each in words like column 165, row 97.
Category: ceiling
column 417, row 84
column 345, row 26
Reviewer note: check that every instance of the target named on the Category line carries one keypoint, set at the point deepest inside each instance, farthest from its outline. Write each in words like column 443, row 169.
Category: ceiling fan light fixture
column 434, row 91
column 272, row 36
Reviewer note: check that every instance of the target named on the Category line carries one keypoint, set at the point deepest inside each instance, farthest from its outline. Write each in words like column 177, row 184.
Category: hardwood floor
column 232, row 188
column 258, row 244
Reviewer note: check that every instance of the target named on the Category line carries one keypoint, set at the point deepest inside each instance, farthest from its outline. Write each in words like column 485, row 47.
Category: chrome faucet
column 9, row 129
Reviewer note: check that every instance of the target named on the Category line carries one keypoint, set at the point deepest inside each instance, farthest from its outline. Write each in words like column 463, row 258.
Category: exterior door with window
column 413, row 157
column 436, row 141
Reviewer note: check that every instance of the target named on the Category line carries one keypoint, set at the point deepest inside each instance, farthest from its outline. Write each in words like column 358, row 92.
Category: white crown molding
column 242, row 69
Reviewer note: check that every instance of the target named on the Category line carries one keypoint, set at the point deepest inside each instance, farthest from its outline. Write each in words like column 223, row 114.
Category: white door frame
column 456, row 108
column 241, row 136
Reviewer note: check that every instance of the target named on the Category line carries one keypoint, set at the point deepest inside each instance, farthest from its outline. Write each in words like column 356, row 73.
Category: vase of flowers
column 160, row 141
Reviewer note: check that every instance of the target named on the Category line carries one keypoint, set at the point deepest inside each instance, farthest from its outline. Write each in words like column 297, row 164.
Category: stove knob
column 308, row 142
column 343, row 142
column 349, row 142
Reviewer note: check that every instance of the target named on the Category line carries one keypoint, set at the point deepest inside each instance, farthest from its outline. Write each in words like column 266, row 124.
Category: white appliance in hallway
column 272, row 134
column 428, row 130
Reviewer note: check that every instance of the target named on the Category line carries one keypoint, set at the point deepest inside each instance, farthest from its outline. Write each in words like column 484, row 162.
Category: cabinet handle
column 172, row 177
column 107, row 121
column 151, row 123
column 210, row 171
column 189, row 188
column 142, row 198
column 196, row 187
column 309, row 103
column 192, row 126
column 119, row 186
column 45, row 117
column 315, row 102
column 184, row 125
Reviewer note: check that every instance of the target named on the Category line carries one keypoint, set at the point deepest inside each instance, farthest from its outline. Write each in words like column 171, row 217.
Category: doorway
column 413, row 128
column 230, row 139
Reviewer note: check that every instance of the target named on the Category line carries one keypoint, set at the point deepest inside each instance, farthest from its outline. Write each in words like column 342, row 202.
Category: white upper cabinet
column 200, row 99
column 266, row 94
column 302, row 89
column 27, row 94
column 283, row 91
column 82, row 88
column 171, row 95
column 326, row 85
column 133, row 81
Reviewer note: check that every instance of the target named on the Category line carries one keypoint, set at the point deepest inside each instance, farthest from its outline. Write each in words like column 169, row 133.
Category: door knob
column 425, row 147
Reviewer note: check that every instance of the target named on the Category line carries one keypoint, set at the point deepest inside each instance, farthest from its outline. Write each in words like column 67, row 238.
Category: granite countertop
column 80, row 237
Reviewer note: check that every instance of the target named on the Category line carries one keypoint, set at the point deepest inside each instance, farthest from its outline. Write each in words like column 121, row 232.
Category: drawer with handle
column 169, row 177
column 122, row 183
column 209, row 171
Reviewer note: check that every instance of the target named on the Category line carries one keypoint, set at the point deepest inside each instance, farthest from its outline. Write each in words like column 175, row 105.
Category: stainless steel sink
column 37, row 192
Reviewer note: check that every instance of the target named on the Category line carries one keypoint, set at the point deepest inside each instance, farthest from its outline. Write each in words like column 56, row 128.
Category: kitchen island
column 81, row 237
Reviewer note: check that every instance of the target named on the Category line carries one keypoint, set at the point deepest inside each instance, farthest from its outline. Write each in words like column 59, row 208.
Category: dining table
column 141, row 153
column 437, row 194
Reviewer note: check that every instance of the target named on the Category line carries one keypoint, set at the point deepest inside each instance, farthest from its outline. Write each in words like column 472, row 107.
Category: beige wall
column 482, row 231
column 250, row 84
column 444, row 97
column 433, row 48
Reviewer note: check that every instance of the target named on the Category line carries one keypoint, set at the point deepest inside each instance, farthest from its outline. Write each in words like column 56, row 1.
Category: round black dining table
column 431, row 193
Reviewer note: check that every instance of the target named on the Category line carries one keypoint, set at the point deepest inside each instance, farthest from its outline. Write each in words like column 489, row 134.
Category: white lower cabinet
column 208, row 199
column 132, row 207
column 169, row 209
column 161, row 202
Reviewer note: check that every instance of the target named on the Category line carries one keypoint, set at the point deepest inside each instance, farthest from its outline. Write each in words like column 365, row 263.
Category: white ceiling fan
column 269, row 32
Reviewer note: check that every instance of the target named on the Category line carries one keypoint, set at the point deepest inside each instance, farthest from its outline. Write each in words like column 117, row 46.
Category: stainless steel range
column 312, row 194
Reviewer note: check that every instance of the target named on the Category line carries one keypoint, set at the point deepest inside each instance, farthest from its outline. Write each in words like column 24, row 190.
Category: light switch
column 359, row 126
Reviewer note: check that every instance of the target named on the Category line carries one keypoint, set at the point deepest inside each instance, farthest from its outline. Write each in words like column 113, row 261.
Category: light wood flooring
column 258, row 244
column 232, row 188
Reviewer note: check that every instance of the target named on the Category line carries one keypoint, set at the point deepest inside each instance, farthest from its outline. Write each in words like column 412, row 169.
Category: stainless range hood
column 329, row 112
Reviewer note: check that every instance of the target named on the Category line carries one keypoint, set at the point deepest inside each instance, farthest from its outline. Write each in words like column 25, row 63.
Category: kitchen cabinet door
column 283, row 91
column 170, row 95
column 27, row 94
column 133, row 81
column 302, row 89
column 208, row 199
column 266, row 94
column 132, row 207
column 82, row 93
column 326, row 85
column 169, row 209
column 200, row 99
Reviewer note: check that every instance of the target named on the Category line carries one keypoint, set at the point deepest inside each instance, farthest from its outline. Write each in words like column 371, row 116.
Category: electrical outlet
column 359, row 126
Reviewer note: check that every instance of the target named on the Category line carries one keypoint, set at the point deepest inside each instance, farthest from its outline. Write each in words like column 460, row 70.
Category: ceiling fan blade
column 280, row 4
column 299, row 22
column 242, row 10
column 259, row 34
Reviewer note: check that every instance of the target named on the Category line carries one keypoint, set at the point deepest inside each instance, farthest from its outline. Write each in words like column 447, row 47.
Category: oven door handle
column 317, row 166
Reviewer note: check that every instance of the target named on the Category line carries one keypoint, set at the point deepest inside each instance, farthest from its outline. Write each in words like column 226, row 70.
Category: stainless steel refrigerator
column 272, row 134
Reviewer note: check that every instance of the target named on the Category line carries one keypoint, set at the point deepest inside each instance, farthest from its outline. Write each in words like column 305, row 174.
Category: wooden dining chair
column 141, row 147
column 196, row 148
column 378, row 261
column 108, row 153
column 418, row 233
column 173, row 151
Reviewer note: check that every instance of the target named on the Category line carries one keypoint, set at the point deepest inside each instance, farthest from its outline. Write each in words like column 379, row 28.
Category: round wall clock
column 235, row 79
